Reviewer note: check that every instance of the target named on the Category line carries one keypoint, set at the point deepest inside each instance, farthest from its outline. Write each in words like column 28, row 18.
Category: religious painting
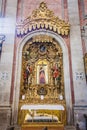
column 42, row 79
column 42, row 72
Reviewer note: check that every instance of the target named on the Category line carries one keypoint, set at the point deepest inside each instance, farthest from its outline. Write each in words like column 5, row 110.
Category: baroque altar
column 42, row 80
column 42, row 95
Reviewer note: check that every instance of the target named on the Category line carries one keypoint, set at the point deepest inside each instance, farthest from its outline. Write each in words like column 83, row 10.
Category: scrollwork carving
column 43, row 18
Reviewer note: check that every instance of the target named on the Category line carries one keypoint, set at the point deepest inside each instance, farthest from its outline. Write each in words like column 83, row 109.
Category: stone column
column 79, row 81
column 7, row 28
column 78, row 73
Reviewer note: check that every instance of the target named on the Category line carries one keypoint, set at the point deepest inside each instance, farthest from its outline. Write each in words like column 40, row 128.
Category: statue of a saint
column 42, row 76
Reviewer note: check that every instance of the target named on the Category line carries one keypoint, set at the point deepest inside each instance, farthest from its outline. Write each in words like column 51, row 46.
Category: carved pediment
column 43, row 18
column 42, row 12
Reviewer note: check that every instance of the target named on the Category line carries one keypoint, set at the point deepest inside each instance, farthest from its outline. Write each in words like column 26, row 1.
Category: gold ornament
column 43, row 18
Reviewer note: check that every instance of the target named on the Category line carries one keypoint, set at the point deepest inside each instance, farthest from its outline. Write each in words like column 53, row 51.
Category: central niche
column 42, row 70
column 42, row 97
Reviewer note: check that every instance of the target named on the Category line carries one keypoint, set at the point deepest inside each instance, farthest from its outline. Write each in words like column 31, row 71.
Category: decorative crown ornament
column 43, row 18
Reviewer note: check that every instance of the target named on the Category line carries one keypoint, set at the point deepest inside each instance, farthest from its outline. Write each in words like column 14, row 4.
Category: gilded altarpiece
column 42, row 80
column 42, row 96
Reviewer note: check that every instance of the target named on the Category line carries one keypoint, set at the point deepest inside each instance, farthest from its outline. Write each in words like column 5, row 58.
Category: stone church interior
column 43, row 64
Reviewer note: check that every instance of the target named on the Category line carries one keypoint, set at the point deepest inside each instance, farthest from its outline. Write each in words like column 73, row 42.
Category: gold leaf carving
column 42, row 12
column 43, row 18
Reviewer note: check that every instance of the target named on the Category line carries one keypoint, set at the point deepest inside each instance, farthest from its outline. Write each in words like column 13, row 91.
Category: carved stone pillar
column 78, row 73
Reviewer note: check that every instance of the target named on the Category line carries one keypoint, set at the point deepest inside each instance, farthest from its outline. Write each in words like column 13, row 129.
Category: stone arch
column 65, row 66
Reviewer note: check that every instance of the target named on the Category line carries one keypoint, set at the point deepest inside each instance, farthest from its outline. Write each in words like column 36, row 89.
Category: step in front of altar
column 42, row 127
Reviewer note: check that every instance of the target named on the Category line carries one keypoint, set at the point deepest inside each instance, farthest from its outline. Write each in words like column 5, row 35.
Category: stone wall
column 5, row 117
column 79, row 81
column 7, row 28
column 79, row 118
